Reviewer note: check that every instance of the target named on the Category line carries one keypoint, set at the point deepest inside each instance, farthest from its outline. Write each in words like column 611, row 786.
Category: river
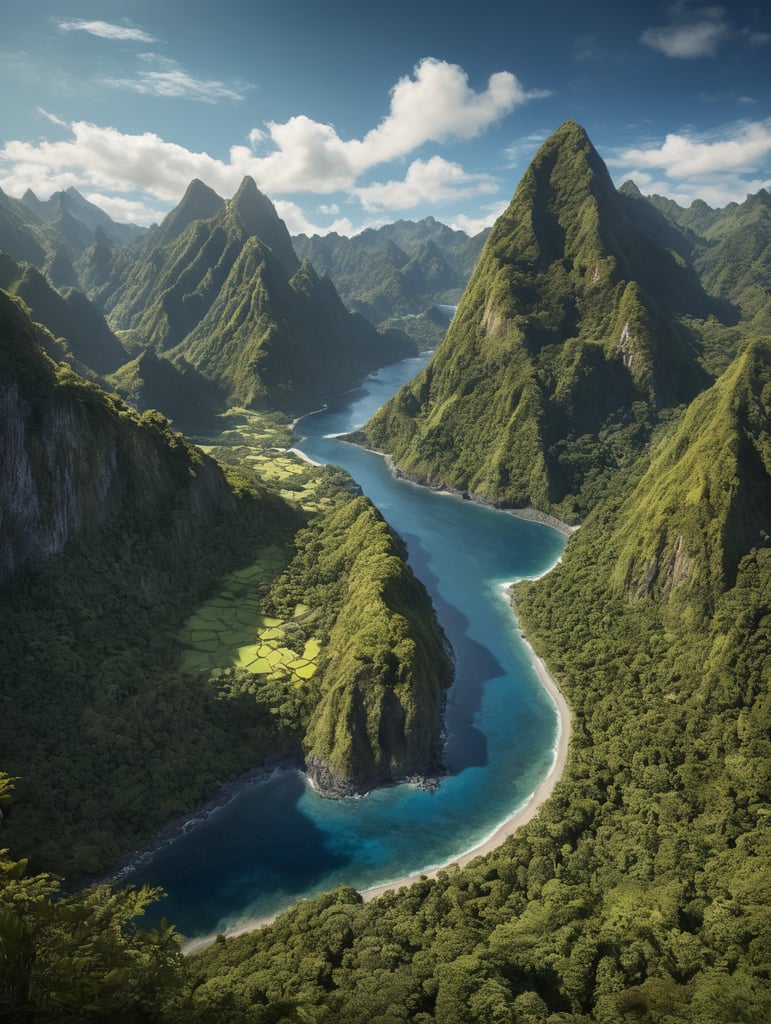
column 278, row 841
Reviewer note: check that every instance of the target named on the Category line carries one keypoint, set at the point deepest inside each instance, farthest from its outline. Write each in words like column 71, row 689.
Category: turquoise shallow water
column 278, row 841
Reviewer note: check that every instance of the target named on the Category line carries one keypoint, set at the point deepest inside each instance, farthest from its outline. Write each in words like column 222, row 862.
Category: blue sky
column 347, row 116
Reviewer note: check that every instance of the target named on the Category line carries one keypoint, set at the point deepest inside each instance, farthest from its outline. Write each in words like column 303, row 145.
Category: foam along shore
column 520, row 817
column 540, row 794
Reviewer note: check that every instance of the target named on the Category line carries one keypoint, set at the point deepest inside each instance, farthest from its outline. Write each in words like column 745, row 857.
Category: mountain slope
column 227, row 294
column 115, row 531
column 704, row 501
column 563, row 352
column 397, row 274
column 68, row 315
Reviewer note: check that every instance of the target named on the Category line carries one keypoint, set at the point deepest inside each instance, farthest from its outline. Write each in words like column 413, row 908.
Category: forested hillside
column 579, row 332
column 115, row 532
column 400, row 275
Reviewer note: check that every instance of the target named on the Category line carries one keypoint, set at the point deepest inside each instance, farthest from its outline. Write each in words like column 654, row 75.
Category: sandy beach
column 541, row 793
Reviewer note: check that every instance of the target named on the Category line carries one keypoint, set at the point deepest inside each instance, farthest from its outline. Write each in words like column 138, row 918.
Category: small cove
column 277, row 841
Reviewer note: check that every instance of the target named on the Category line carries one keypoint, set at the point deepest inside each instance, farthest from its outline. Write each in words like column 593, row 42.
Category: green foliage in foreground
column 83, row 956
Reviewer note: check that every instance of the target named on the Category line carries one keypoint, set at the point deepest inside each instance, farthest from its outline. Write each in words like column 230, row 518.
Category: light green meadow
column 229, row 631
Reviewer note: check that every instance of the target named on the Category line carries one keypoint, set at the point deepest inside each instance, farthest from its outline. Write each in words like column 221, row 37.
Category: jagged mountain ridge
column 396, row 275
column 563, row 351
column 68, row 314
column 226, row 293
column 704, row 501
column 70, row 205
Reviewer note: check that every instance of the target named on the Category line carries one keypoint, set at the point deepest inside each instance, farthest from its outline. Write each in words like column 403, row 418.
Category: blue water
column 278, row 841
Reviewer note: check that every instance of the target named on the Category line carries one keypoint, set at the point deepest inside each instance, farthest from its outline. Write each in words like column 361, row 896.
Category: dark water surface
column 277, row 840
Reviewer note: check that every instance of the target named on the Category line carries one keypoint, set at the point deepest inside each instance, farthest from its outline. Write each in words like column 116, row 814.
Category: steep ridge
column 703, row 503
column 74, row 460
column 68, row 315
column 114, row 531
column 227, row 294
column 563, row 352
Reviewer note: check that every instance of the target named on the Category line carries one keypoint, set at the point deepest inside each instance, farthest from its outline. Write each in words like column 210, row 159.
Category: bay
column 277, row 840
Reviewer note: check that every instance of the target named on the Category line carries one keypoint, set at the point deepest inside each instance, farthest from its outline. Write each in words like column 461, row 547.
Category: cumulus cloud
column 725, row 167
column 126, row 211
column 298, row 223
column 436, row 104
column 306, row 155
column 473, row 225
column 681, row 156
column 436, row 180
column 286, row 159
column 697, row 33
column 106, row 30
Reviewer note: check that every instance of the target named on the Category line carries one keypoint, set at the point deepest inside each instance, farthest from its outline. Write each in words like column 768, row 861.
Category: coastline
column 520, row 817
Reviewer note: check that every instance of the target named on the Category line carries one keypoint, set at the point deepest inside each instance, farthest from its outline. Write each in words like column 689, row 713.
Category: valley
column 180, row 607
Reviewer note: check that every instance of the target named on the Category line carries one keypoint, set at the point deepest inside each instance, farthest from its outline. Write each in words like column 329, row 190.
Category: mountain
column 69, row 315
column 69, row 210
column 639, row 892
column 101, row 508
column 73, row 461
column 151, row 382
column 227, row 294
column 703, row 502
column 398, row 274
column 567, row 347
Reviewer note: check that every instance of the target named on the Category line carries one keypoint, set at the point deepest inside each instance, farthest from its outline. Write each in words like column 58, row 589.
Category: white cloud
column 435, row 180
column 107, row 30
column 297, row 156
column 438, row 104
column 329, row 210
column 175, row 83
column 298, row 223
column 126, row 211
column 51, row 117
column 473, row 225
column 681, row 156
column 725, row 167
column 696, row 33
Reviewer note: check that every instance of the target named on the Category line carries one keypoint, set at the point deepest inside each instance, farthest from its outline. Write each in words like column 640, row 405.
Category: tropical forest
column 188, row 604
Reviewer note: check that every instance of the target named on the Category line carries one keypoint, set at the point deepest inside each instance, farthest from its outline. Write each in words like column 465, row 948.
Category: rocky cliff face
column 72, row 459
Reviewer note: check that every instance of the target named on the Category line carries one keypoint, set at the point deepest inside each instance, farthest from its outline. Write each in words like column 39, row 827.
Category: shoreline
column 497, row 837
column 524, row 814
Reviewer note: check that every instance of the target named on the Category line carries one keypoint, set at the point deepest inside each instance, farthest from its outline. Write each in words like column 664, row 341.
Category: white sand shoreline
column 520, row 817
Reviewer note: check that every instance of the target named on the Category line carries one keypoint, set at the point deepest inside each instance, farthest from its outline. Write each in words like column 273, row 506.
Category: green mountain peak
column 563, row 349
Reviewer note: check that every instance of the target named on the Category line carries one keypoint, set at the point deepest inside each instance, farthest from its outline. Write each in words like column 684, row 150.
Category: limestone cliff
column 73, row 459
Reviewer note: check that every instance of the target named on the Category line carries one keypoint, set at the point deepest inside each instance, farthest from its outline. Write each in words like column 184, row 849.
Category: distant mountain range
column 400, row 275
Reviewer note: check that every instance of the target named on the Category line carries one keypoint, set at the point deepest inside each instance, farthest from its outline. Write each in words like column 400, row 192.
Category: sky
column 349, row 115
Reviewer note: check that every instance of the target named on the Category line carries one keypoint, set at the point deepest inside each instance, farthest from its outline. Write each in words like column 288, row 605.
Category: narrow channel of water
column 278, row 841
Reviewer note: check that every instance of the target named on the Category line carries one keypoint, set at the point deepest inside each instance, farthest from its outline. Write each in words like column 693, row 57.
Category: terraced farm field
column 229, row 630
